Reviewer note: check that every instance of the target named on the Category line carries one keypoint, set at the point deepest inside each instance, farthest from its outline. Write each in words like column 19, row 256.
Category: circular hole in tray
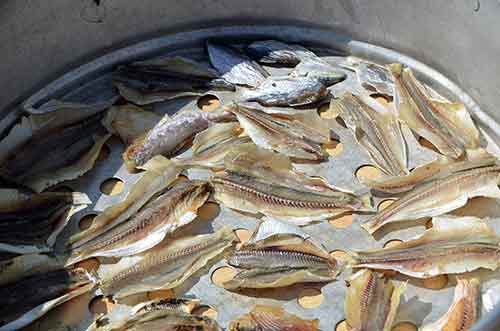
column 179, row 179
column 368, row 172
column 334, row 148
column 392, row 243
column 205, row 311
column 222, row 275
column 243, row 234
column 208, row 211
column 208, row 102
column 436, row 283
column 160, row 294
column 342, row 326
column 310, row 298
column 382, row 99
column 405, row 326
column 341, row 221
column 112, row 186
column 104, row 153
column 324, row 111
column 340, row 255
column 100, row 305
column 340, row 121
column 90, row 265
column 86, row 221
column 384, row 204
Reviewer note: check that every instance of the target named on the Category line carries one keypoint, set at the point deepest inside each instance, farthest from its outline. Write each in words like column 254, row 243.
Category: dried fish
column 452, row 245
column 377, row 129
column 448, row 126
column 315, row 67
column 464, row 311
column 122, row 315
column 168, row 267
column 372, row 77
column 272, row 318
column 158, row 218
column 371, row 301
column 257, row 180
column 169, row 135
column 16, row 267
column 160, row 173
column 235, row 67
column 30, row 298
column 130, row 122
column 441, row 167
column 45, row 149
column 178, row 66
column 30, row 223
column 298, row 135
column 439, row 196
column 277, row 52
column 285, row 91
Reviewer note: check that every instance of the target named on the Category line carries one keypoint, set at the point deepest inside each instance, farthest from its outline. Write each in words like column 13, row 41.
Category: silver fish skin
column 287, row 92
column 178, row 66
column 234, row 66
column 277, row 52
column 315, row 67
column 169, row 135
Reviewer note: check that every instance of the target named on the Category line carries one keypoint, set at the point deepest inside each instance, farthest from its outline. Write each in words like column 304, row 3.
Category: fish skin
column 161, row 216
column 271, row 318
column 464, row 310
column 169, row 266
column 179, row 322
column 439, row 196
column 45, row 152
column 315, row 67
column 453, row 245
column 287, row 135
column 178, row 66
column 168, row 135
column 377, row 129
column 20, row 297
column 448, row 126
column 277, row 52
column 371, row 301
column 234, row 66
column 286, row 91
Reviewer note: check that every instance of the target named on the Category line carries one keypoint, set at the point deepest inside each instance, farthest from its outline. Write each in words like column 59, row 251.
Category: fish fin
column 249, row 156
column 215, row 134
column 84, row 164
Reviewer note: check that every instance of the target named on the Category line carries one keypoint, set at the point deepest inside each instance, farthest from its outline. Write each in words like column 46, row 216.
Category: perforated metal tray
column 91, row 82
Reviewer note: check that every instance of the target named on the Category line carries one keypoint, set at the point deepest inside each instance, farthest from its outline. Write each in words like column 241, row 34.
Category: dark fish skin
column 174, row 305
column 277, row 52
column 275, row 258
column 148, row 80
column 19, row 297
column 39, row 220
column 51, row 151
column 167, row 136
column 235, row 67
column 297, row 91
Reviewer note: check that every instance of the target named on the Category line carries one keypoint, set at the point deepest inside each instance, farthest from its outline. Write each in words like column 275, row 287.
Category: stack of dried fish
column 252, row 146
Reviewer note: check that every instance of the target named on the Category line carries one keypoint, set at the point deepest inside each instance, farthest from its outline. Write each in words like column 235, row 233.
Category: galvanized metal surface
column 420, row 305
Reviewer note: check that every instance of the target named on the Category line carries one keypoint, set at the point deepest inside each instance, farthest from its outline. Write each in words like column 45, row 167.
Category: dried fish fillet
column 20, row 266
column 44, row 158
column 317, row 68
column 235, row 67
column 453, row 245
column 169, row 266
column 178, row 66
column 169, row 135
column 377, row 129
column 439, row 196
column 448, row 126
column 30, row 223
column 372, row 77
column 160, row 172
column 291, row 135
column 371, row 301
column 277, row 52
column 144, row 97
column 272, row 318
column 260, row 181
column 122, row 315
column 286, row 91
column 30, row 298
column 464, row 310
column 441, row 167
column 129, row 122
column 157, row 219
